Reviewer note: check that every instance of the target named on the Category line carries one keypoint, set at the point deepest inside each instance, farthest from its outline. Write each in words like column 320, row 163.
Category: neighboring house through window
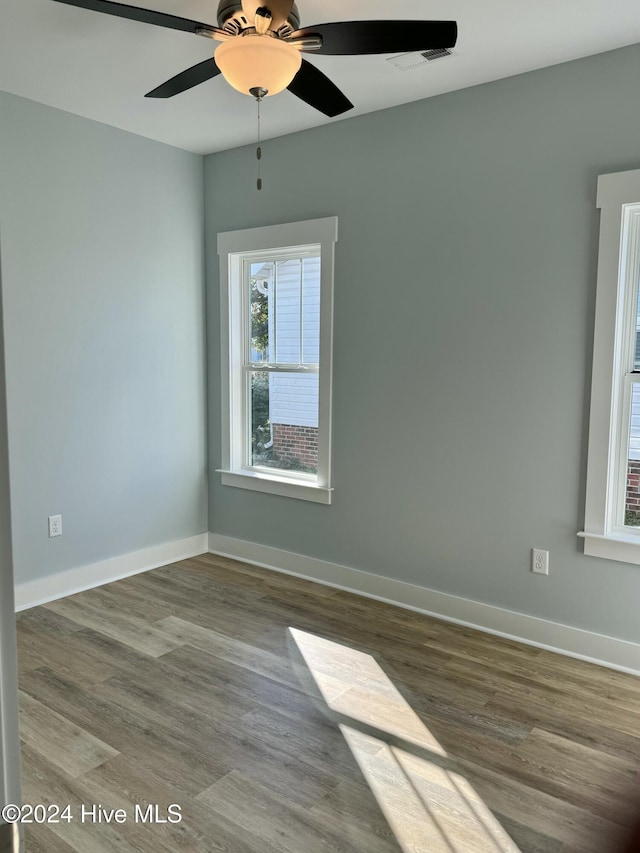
column 612, row 517
column 277, row 305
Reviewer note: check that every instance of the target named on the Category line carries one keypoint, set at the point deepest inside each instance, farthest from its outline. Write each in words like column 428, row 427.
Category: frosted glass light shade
column 255, row 61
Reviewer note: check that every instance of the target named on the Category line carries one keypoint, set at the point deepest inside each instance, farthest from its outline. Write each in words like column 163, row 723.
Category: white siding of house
column 634, row 433
column 294, row 398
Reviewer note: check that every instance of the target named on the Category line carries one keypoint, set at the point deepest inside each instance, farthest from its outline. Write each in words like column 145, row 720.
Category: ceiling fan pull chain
column 258, row 93
column 259, row 148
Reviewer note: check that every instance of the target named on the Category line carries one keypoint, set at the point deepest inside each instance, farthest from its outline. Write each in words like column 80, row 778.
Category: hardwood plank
column 127, row 630
column 46, row 622
column 282, row 824
column 539, row 714
column 242, row 622
column 589, row 675
column 40, row 839
column 609, row 790
column 234, row 570
column 84, row 656
column 180, row 587
column 166, row 749
column 28, row 657
column 123, row 777
column 43, row 783
column 144, row 609
column 529, row 839
column 59, row 741
column 230, row 649
column 351, row 804
column 562, row 699
column 37, row 632
column 538, row 768
column 573, row 827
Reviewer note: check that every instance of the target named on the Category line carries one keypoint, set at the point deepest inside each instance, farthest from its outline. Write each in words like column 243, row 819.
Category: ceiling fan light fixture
column 256, row 61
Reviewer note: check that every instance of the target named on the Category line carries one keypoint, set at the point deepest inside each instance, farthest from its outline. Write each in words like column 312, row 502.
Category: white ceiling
column 100, row 67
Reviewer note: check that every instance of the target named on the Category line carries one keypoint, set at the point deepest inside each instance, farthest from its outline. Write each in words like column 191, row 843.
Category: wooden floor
column 185, row 686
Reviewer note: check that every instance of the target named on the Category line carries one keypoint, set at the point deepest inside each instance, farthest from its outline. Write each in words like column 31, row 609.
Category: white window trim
column 231, row 246
column 604, row 535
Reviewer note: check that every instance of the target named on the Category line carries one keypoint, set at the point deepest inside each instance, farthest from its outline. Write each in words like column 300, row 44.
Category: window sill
column 276, row 485
column 621, row 546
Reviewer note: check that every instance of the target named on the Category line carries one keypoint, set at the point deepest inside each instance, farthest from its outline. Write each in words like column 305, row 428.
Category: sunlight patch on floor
column 430, row 807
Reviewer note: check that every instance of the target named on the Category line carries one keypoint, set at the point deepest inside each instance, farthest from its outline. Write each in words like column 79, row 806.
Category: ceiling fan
column 261, row 46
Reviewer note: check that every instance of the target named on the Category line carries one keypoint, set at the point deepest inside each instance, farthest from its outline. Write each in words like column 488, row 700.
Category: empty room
column 319, row 427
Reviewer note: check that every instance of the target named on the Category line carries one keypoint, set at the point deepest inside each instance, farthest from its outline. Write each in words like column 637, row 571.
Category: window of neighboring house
column 612, row 517
column 276, row 288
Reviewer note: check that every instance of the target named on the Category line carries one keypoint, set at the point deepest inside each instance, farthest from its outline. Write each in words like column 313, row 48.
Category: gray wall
column 9, row 736
column 103, row 275
column 464, row 296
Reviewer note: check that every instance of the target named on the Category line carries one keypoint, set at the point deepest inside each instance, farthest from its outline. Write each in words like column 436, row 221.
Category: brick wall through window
column 632, row 505
column 296, row 446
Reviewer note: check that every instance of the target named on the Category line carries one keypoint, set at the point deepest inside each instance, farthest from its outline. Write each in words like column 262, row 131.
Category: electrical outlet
column 55, row 526
column 540, row 561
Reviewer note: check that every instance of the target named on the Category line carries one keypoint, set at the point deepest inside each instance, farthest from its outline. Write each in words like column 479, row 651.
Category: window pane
column 287, row 305
column 284, row 421
column 632, row 494
column 636, row 360
column 311, row 310
column 260, row 297
column 284, row 311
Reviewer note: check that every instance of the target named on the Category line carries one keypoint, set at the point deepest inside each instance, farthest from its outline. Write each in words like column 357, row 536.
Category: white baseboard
column 553, row 636
column 32, row 593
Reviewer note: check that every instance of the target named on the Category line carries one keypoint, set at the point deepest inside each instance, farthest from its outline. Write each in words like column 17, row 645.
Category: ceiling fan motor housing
column 231, row 11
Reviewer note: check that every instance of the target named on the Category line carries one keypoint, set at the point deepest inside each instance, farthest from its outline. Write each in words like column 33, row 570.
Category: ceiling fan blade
column 361, row 37
column 193, row 76
column 135, row 13
column 314, row 88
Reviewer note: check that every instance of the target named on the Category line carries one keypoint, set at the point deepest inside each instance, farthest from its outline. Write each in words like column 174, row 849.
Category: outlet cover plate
column 55, row 526
column 539, row 561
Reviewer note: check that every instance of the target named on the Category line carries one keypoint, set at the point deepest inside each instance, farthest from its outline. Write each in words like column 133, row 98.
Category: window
column 276, row 309
column 612, row 517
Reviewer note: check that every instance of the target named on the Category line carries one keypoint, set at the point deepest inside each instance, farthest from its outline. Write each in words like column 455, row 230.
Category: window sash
column 247, row 449
column 279, row 257
column 265, row 367
column 630, row 380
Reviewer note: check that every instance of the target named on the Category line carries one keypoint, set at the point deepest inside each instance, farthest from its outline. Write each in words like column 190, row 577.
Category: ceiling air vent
column 407, row 61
